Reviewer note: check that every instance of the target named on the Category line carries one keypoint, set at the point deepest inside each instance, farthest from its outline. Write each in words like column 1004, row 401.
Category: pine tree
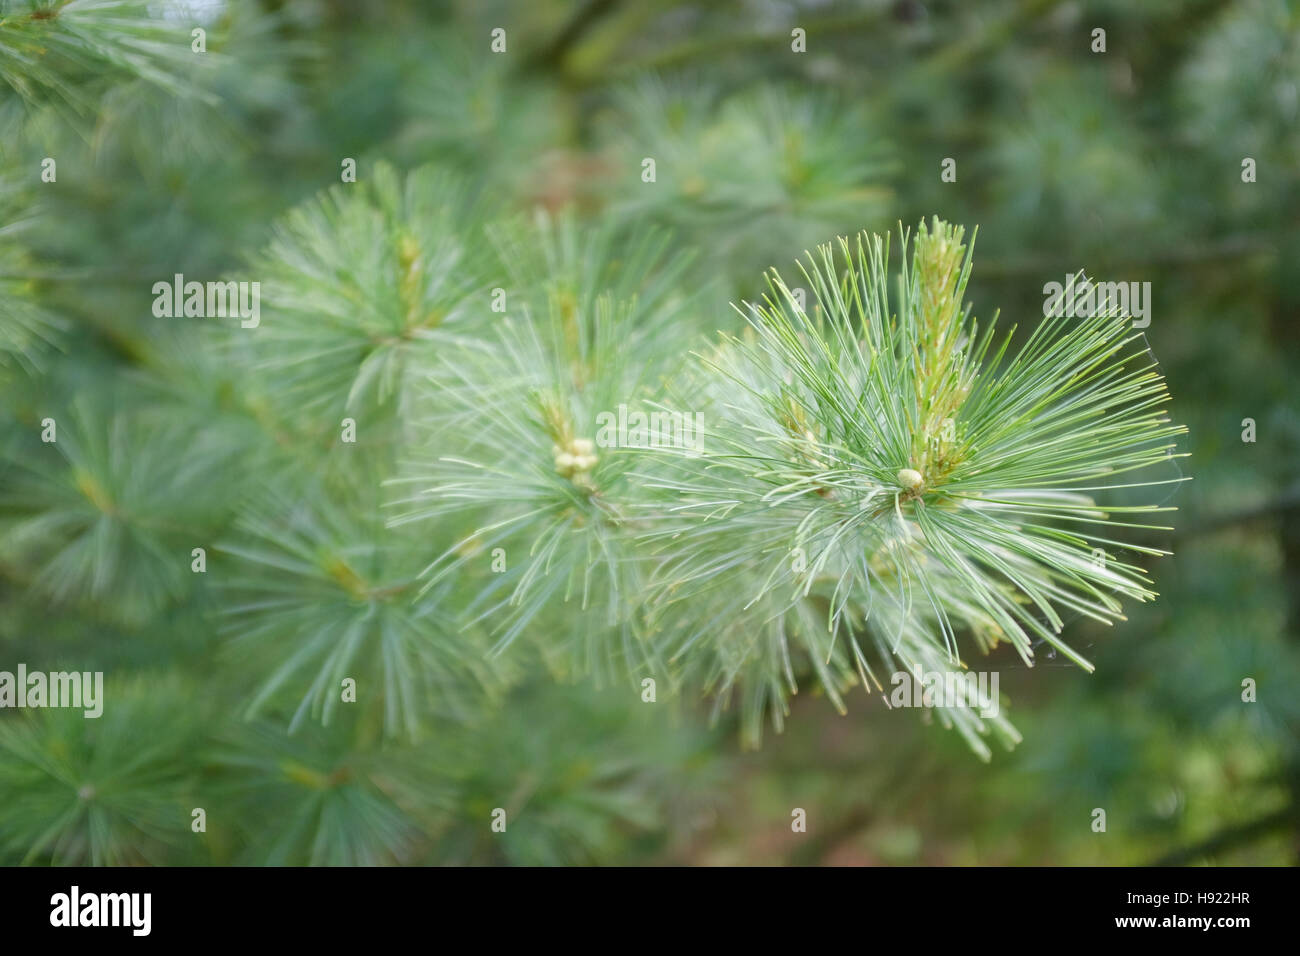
column 541, row 482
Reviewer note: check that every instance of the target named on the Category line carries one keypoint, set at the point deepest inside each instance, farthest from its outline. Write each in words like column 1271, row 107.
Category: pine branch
column 907, row 470
column 49, row 49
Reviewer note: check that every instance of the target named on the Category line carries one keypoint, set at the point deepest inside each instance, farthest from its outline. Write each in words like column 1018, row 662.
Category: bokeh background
column 1127, row 163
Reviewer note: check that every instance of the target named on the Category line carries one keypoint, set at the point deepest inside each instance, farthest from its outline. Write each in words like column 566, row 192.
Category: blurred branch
column 944, row 59
column 1230, row 838
column 1234, row 247
column 953, row 55
column 1288, row 500
column 818, row 846
column 712, row 44
column 554, row 52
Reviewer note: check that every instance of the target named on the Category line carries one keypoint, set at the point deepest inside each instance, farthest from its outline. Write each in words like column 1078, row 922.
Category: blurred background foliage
column 176, row 434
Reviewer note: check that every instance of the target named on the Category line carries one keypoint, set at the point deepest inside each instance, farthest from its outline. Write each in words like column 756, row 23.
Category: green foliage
column 99, row 792
column 105, row 513
column 589, row 326
column 327, row 598
column 883, row 483
column 752, row 177
column 354, row 283
column 886, row 465
column 49, row 49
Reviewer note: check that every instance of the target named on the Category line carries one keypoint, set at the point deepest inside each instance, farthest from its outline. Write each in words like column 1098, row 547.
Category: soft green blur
column 1126, row 163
